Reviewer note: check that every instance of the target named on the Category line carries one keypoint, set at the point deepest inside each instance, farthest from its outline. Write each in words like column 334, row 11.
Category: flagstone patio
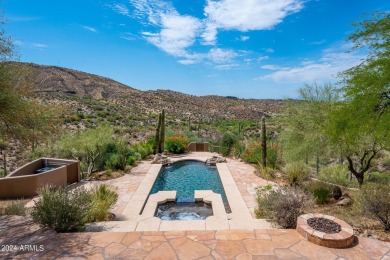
column 224, row 244
column 21, row 238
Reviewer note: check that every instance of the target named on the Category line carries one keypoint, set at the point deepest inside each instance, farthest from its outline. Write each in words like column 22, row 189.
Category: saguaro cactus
column 263, row 142
column 157, row 136
column 162, row 133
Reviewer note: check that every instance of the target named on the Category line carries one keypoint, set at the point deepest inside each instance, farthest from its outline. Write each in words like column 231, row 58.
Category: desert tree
column 303, row 122
column 360, row 124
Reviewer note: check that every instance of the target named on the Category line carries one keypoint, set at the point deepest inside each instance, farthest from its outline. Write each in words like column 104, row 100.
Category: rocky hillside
column 61, row 83
column 90, row 100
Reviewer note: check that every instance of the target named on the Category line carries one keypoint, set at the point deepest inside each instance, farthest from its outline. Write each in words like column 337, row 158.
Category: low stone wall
column 198, row 147
column 24, row 182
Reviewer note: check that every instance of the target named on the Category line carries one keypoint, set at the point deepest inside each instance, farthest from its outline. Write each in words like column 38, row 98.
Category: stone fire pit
column 325, row 230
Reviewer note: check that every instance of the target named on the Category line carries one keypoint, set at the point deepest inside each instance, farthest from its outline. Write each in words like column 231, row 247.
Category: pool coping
column 133, row 219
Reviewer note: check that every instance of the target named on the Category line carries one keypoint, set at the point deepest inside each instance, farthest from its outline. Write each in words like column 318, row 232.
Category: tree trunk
column 365, row 164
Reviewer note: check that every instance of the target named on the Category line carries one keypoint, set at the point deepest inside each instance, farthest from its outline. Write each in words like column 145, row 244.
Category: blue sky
column 243, row 48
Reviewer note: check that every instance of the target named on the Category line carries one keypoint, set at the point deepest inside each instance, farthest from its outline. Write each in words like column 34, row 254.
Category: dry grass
column 5, row 203
column 365, row 226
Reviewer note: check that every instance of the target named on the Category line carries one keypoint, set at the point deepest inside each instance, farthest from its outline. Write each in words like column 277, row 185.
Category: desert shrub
column 336, row 192
column 2, row 173
column 272, row 155
column 102, row 199
column 88, row 146
column 267, row 171
column 386, row 163
column 227, row 143
column 336, row 174
column 373, row 201
column 238, row 149
column 252, row 153
column 61, row 209
column 296, row 173
column 379, row 177
column 108, row 173
column 283, row 205
column 320, row 191
column 16, row 208
column 144, row 149
column 131, row 160
column 176, row 144
column 114, row 162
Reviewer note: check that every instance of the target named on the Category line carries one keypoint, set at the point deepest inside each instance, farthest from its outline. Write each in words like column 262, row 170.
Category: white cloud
column 177, row 34
column 317, row 42
column 269, row 50
column 151, row 10
column 246, row 15
column 244, row 38
column 39, row 45
column 129, row 36
column 226, row 66
column 218, row 55
column 261, row 58
column 188, row 61
column 273, row 67
column 88, row 28
column 325, row 68
column 121, row 9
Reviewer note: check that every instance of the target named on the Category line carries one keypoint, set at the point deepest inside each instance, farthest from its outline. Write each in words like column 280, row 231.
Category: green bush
column 252, row 153
column 228, row 141
column 131, row 160
column 272, row 156
column 16, row 208
column 114, row 162
column 373, row 201
column 296, row 173
column 103, row 198
column 320, row 191
column 283, row 205
column 336, row 174
column 176, row 144
column 379, row 177
column 61, row 209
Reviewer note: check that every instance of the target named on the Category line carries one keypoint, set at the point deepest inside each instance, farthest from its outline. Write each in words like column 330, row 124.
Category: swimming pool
column 187, row 176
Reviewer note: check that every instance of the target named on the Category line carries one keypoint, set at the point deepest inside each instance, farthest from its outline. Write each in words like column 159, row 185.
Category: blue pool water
column 187, row 176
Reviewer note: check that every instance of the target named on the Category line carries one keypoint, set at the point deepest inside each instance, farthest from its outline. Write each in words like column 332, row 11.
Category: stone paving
column 20, row 238
column 26, row 240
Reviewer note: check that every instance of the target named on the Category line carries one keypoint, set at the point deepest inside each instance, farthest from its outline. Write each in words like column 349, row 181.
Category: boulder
column 161, row 159
column 345, row 202
column 215, row 159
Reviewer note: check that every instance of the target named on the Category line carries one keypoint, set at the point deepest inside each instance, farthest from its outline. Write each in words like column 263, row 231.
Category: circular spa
column 185, row 177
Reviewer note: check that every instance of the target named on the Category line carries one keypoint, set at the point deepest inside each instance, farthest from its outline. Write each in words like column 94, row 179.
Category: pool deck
column 136, row 212
column 245, row 243
column 42, row 243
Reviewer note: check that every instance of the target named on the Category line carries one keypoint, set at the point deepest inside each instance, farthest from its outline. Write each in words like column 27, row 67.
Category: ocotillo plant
column 162, row 133
column 263, row 142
